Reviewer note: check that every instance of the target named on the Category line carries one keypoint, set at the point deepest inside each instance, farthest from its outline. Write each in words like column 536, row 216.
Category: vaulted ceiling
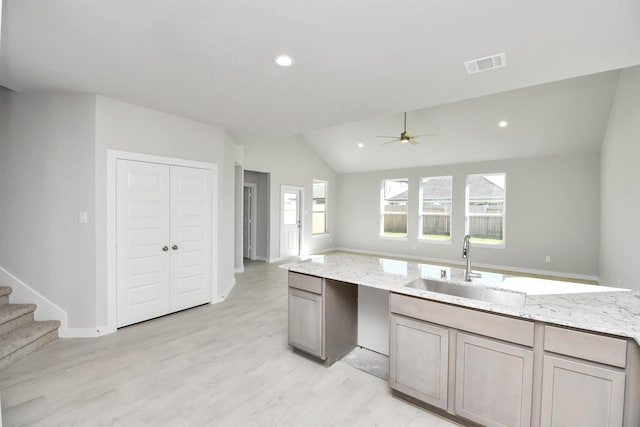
column 355, row 60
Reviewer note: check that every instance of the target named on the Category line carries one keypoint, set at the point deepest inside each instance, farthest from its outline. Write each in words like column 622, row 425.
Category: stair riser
column 28, row 349
column 15, row 323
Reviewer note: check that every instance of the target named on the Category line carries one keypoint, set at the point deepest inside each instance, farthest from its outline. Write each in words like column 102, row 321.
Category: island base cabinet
column 494, row 382
column 305, row 322
column 419, row 363
column 581, row 394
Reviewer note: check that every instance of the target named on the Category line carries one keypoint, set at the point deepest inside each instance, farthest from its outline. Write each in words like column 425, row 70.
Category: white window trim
column 421, row 214
column 503, row 244
column 381, row 234
column 326, row 208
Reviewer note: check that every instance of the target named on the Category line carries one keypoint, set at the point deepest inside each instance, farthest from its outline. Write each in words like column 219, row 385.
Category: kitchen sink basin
column 471, row 291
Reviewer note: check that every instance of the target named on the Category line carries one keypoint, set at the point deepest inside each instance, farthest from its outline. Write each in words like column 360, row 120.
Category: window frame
column 326, row 212
column 421, row 213
column 382, row 212
column 467, row 215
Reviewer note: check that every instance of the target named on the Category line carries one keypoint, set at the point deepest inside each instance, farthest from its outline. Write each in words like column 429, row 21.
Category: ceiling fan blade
column 413, row 141
column 425, row 134
column 384, row 136
column 389, row 142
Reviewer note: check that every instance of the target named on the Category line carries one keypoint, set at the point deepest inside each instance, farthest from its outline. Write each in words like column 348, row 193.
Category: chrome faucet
column 466, row 254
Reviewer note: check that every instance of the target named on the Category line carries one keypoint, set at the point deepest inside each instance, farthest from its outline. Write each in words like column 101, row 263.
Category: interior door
column 190, row 237
column 246, row 222
column 290, row 223
column 142, row 228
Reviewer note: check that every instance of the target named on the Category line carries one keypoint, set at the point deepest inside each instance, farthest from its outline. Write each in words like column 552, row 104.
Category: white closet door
column 190, row 237
column 143, row 255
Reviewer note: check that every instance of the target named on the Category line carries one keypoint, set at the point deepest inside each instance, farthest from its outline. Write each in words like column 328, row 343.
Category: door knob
column 174, row 247
column 165, row 248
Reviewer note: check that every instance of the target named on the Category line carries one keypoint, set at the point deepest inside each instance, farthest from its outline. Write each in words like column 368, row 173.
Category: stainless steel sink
column 471, row 291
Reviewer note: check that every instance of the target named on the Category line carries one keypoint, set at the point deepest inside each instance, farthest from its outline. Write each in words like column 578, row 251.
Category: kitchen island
column 568, row 356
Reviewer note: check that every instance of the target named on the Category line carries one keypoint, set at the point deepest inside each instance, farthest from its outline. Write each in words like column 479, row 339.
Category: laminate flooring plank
column 226, row 364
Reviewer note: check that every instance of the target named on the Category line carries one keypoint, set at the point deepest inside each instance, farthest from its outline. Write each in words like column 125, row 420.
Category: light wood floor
column 226, row 365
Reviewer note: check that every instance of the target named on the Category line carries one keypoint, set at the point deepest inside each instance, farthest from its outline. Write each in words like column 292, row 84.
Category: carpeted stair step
column 15, row 315
column 26, row 339
column 5, row 291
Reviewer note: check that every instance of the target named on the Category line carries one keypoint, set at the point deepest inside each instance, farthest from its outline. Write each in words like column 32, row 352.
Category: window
column 319, row 209
column 435, row 208
column 393, row 207
column 485, row 210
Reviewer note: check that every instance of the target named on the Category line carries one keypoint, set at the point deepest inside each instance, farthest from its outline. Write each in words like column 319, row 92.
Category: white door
column 143, row 255
column 246, row 222
column 290, row 222
column 190, row 237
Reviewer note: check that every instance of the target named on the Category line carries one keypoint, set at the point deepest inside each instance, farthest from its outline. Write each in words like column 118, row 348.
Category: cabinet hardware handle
column 165, row 248
column 174, row 247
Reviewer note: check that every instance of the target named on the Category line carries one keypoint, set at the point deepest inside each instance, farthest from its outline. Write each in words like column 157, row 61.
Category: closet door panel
column 142, row 228
column 191, row 256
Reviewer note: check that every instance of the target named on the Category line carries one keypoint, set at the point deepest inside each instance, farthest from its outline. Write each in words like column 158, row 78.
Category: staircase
column 19, row 333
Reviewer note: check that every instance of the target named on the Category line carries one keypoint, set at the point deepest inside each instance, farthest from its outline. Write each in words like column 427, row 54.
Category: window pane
column 319, row 208
column 436, row 207
column 395, row 225
column 395, row 200
column 319, row 190
column 290, row 205
column 486, row 207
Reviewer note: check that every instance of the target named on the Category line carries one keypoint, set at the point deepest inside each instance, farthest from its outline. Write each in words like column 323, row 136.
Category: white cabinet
column 163, row 234
column 583, row 380
column 494, row 381
column 581, row 394
column 305, row 321
column 323, row 316
column 419, row 360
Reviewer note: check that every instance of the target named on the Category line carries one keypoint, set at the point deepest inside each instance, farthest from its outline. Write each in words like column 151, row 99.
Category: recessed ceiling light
column 503, row 124
column 283, row 60
column 360, row 145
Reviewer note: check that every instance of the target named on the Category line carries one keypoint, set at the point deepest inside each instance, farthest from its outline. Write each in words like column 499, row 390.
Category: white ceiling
column 357, row 59
column 549, row 119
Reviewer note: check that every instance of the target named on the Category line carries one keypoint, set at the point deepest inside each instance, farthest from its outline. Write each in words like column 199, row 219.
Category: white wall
column 552, row 209
column 620, row 180
column 126, row 127
column 291, row 161
column 262, row 211
column 46, row 178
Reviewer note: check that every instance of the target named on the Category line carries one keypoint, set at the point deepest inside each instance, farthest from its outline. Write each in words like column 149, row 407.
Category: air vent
column 485, row 64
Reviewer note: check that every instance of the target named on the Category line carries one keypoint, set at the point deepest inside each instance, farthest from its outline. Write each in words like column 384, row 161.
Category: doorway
column 291, row 202
column 249, row 220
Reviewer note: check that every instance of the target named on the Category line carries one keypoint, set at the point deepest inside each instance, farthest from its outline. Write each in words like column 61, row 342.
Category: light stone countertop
column 594, row 308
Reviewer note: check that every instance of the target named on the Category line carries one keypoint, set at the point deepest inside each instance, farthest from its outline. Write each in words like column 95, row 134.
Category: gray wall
column 46, row 178
column 552, row 209
column 291, row 161
column 262, row 211
column 126, row 127
column 620, row 228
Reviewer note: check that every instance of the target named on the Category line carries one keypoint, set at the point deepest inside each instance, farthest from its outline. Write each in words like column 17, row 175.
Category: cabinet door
column 581, row 394
column 305, row 322
column 493, row 382
column 419, row 360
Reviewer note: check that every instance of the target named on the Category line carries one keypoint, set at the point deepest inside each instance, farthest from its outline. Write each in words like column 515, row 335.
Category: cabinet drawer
column 466, row 319
column 587, row 346
column 305, row 282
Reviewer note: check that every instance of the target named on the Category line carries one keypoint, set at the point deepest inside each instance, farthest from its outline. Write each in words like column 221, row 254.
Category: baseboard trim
column 25, row 294
column 223, row 296
column 258, row 258
column 239, row 269
column 500, row 268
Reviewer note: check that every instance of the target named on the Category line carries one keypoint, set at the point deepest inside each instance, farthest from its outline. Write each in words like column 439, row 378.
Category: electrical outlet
column 547, row 259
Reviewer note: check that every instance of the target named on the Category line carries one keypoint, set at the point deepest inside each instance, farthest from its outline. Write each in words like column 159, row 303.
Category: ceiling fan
column 406, row 136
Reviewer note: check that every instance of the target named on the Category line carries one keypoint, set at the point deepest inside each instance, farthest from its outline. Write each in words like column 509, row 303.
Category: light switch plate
column 82, row 217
